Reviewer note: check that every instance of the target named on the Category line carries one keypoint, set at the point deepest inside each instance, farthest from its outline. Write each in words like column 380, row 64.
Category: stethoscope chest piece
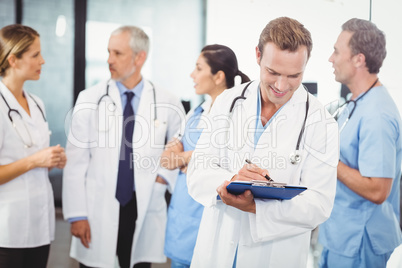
column 295, row 157
column 156, row 123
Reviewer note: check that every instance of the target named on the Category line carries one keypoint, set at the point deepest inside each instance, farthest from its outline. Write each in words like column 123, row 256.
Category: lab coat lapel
column 13, row 103
column 287, row 113
column 246, row 111
column 143, row 177
column 115, row 134
column 250, row 105
column 33, row 109
column 143, row 116
column 115, row 96
column 280, row 137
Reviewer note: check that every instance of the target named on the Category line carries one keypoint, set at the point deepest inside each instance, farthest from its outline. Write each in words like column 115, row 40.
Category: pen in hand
column 266, row 175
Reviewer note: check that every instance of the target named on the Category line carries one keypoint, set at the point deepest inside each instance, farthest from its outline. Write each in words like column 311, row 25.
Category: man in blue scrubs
column 363, row 229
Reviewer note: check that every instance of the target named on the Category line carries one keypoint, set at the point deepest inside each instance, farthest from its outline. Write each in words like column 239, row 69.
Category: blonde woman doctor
column 26, row 198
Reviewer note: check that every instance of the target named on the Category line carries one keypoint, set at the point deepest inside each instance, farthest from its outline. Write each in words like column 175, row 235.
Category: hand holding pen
column 255, row 169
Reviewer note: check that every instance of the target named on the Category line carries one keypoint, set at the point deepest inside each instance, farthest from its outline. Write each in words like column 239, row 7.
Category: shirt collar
column 259, row 123
column 199, row 110
column 137, row 89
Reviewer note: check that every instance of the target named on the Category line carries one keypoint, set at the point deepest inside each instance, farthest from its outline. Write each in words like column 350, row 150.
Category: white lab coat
column 278, row 235
column 27, row 216
column 90, row 176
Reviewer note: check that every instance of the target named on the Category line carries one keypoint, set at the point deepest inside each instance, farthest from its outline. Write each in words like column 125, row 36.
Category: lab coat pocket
column 158, row 135
column 157, row 203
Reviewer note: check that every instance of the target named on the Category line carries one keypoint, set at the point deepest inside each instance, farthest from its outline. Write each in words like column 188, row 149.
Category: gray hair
column 139, row 40
column 368, row 40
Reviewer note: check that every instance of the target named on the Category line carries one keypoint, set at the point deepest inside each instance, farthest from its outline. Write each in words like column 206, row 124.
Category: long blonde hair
column 15, row 39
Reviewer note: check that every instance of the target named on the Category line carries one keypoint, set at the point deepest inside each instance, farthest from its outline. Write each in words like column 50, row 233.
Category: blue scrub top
column 370, row 142
column 259, row 128
column 184, row 214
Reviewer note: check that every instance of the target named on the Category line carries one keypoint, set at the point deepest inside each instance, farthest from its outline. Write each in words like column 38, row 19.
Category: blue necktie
column 125, row 177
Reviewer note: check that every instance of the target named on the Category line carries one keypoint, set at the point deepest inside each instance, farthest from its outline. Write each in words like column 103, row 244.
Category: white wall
column 175, row 29
column 387, row 16
column 238, row 24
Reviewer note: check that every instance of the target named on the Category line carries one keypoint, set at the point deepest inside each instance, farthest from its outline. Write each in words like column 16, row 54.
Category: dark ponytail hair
column 222, row 58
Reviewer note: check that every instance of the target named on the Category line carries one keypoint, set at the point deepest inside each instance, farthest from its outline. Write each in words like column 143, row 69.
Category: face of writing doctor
column 281, row 72
column 122, row 63
column 29, row 66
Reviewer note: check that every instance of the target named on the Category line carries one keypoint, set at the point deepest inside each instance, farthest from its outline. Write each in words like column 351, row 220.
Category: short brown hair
column 287, row 34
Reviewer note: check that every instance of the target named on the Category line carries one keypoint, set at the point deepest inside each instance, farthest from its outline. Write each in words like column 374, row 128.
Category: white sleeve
column 206, row 171
column 78, row 155
column 175, row 124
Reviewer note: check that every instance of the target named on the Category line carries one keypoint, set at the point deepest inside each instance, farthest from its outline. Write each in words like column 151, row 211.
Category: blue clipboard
column 265, row 189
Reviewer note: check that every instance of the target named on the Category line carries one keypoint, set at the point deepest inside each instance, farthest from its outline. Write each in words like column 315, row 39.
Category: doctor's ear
column 140, row 58
column 12, row 59
column 258, row 55
column 359, row 60
column 220, row 77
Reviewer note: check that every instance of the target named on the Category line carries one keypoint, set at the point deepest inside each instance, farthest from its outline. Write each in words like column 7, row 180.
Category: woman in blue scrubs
column 215, row 71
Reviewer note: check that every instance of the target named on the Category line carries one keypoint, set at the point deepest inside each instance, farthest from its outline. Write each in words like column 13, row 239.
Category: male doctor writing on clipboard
column 275, row 121
column 113, row 188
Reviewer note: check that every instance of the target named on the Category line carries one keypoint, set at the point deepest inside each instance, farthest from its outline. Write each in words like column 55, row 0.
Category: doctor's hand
column 244, row 201
column 63, row 159
column 160, row 180
column 251, row 172
column 184, row 169
column 81, row 230
column 48, row 158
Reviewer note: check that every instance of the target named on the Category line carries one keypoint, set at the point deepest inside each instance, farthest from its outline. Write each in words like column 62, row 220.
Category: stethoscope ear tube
column 295, row 157
column 304, row 124
column 156, row 121
column 241, row 97
column 10, row 110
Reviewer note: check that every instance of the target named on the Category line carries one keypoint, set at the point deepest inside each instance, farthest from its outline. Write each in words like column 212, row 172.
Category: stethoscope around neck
column 11, row 111
column 295, row 156
column 106, row 95
column 337, row 113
